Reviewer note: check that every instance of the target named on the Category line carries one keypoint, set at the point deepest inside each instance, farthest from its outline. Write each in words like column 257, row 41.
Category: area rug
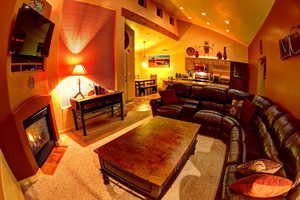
column 53, row 160
column 77, row 176
column 104, row 127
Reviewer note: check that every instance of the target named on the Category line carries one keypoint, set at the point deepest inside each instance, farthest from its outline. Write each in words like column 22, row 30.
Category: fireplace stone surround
column 22, row 161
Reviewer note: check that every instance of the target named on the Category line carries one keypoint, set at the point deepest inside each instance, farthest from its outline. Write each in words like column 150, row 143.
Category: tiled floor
column 141, row 103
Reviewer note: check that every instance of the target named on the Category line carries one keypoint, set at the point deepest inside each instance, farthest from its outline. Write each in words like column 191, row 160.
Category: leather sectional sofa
column 272, row 134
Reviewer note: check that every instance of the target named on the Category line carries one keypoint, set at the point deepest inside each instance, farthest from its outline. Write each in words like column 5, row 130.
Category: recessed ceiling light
column 227, row 21
column 203, row 13
column 208, row 23
column 190, row 18
column 181, row 8
column 227, row 30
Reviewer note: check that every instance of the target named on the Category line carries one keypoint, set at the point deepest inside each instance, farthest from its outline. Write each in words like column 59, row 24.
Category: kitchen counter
column 197, row 83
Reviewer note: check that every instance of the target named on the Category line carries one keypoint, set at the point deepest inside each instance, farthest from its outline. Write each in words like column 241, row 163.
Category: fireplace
column 40, row 135
column 32, row 137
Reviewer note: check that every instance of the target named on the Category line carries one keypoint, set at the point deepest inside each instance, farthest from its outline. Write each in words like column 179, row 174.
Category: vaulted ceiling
column 244, row 17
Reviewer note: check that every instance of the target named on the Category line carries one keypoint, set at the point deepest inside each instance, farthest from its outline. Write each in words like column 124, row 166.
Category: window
column 143, row 3
column 159, row 12
column 172, row 20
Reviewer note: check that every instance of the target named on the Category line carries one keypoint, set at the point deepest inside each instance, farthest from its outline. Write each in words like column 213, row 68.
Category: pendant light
column 145, row 60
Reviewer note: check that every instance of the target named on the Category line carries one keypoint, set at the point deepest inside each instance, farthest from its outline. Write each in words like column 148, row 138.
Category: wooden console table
column 93, row 104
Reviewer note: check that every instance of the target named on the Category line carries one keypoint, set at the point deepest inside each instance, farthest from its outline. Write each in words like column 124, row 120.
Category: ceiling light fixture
column 181, row 8
column 208, row 23
column 203, row 14
column 190, row 18
column 227, row 21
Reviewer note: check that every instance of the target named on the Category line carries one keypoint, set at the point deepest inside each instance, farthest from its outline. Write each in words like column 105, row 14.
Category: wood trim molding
column 144, row 21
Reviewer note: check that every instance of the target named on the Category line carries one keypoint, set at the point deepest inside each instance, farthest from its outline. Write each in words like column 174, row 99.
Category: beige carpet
column 78, row 178
column 103, row 126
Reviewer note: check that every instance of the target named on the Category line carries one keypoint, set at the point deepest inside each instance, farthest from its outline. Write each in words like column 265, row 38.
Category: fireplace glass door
column 40, row 135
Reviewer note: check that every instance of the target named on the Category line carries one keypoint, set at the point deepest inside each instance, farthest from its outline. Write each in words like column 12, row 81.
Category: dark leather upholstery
column 183, row 90
column 197, row 92
column 235, row 153
column 238, row 95
column 272, row 113
column 172, row 111
column 290, row 154
column 218, row 95
column 284, row 127
column 274, row 133
column 209, row 118
column 212, row 105
column 262, row 102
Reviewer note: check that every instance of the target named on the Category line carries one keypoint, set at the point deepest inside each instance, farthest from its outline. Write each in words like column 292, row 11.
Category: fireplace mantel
column 24, row 161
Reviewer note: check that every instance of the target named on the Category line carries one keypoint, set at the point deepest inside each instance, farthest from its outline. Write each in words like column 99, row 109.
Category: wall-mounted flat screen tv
column 32, row 33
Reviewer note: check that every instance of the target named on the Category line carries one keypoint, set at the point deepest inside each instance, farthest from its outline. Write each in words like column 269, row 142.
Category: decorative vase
column 206, row 47
column 197, row 54
column 219, row 55
column 225, row 53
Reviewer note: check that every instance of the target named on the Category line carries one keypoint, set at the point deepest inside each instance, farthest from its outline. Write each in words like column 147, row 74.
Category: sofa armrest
column 155, row 103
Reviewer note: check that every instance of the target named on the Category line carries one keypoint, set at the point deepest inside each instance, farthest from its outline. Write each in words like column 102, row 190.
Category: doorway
column 261, row 76
column 129, row 55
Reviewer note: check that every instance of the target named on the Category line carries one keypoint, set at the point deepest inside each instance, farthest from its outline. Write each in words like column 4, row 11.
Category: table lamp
column 79, row 70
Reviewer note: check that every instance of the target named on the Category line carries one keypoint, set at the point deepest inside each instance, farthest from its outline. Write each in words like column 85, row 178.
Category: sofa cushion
column 215, row 94
column 284, row 127
column 262, row 186
column 271, row 114
column 268, row 148
column 247, row 112
column 290, row 155
column 209, row 118
column 259, row 166
column 211, row 105
column 171, row 110
column 183, row 90
column 231, row 176
column 169, row 97
column 197, row 92
column 252, row 145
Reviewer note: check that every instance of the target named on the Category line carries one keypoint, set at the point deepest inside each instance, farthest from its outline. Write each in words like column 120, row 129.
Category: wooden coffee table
column 148, row 158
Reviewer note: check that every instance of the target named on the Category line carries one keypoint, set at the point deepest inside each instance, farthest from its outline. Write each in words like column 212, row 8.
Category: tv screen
column 32, row 33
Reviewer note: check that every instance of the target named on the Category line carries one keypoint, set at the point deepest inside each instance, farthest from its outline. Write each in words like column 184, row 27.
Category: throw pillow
column 247, row 112
column 262, row 186
column 259, row 166
column 169, row 96
column 236, row 107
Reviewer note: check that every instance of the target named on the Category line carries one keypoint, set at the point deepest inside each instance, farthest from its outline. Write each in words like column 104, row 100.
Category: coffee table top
column 152, row 150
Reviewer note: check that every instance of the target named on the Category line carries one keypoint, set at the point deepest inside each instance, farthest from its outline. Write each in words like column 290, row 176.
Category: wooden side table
column 93, row 104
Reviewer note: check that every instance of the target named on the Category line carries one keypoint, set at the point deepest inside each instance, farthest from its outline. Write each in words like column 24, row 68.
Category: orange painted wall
column 94, row 28
column 282, row 84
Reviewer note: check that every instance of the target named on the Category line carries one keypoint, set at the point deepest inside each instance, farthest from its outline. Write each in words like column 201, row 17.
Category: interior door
column 261, row 76
column 129, row 52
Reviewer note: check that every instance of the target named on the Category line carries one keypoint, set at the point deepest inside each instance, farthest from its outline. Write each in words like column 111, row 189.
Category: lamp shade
column 79, row 70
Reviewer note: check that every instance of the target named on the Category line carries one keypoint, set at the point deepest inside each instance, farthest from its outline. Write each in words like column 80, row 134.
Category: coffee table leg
column 105, row 179
column 194, row 148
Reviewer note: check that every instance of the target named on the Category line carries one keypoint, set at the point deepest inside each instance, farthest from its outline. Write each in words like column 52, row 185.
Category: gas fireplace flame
column 30, row 137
